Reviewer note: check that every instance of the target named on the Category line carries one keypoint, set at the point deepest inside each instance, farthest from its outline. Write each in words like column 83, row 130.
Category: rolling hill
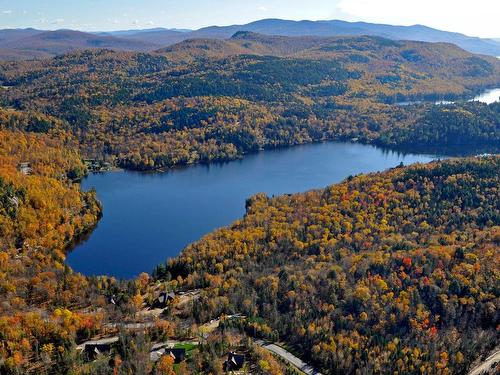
column 333, row 28
column 212, row 99
column 160, row 36
column 248, row 42
column 31, row 43
column 11, row 35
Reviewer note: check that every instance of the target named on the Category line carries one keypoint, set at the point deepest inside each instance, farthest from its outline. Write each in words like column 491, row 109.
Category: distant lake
column 488, row 97
column 151, row 217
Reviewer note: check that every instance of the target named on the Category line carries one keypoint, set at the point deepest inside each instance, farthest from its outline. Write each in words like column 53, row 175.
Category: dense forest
column 388, row 272
column 391, row 272
column 41, row 211
column 206, row 100
column 46, row 309
column 467, row 124
column 394, row 272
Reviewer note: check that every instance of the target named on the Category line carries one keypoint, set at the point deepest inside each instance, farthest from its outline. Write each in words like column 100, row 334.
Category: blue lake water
column 151, row 217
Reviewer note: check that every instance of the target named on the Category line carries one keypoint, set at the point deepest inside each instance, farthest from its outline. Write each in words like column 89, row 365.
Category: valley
column 20, row 44
column 210, row 100
column 264, row 204
column 151, row 217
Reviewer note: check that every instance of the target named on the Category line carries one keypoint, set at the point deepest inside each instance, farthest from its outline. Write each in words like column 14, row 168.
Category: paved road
column 289, row 357
column 107, row 340
column 484, row 367
column 130, row 326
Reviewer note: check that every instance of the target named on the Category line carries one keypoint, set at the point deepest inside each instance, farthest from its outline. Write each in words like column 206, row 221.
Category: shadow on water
column 149, row 217
column 462, row 150
column 486, row 96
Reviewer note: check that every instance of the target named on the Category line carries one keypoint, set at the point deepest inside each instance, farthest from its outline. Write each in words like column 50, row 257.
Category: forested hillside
column 390, row 272
column 29, row 43
column 387, row 272
column 466, row 125
column 41, row 211
column 206, row 100
column 45, row 307
column 395, row 272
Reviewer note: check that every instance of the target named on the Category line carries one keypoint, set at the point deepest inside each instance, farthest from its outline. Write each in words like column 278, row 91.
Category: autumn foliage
column 204, row 101
column 389, row 272
column 40, row 213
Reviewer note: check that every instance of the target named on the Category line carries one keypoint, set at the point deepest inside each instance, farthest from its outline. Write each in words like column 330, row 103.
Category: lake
column 151, row 217
column 488, row 97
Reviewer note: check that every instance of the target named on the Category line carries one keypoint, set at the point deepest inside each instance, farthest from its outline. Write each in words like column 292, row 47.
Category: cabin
column 234, row 362
column 178, row 355
column 97, row 165
column 164, row 299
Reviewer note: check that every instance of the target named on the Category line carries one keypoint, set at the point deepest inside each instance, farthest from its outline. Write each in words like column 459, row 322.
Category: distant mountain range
column 335, row 28
column 35, row 44
column 141, row 31
column 32, row 43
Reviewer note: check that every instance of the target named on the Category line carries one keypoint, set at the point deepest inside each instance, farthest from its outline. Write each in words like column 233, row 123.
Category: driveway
column 289, row 357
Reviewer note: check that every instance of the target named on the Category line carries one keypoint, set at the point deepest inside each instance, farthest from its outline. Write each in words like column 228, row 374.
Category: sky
column 471, row 17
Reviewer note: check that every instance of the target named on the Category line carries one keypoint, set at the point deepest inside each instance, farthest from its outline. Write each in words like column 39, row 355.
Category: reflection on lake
column 487, row 97
column 151, row 217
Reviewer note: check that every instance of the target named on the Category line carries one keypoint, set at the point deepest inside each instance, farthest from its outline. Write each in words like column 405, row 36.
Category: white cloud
column 262, row 9
column 6, row 11
column 57, row 21
column 478, row 17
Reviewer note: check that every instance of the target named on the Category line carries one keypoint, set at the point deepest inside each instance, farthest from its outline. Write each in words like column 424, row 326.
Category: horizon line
column 187, row 30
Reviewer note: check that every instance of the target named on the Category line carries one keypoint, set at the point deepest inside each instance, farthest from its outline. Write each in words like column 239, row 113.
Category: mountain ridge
column 23, row 41
column 31, row 44
column 338, row 27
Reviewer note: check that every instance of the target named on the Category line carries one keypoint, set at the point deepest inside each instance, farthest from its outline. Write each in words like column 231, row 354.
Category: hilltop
column 342, row 28
column 32, row 42
column 388, row 272
column 329, row 29
column 210, row 99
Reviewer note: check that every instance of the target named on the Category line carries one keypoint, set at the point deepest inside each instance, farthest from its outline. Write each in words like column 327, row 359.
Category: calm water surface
column 151, row 217
column 488, row 97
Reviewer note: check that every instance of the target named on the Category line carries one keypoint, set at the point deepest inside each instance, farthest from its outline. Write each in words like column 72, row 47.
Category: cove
column 151, row 217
